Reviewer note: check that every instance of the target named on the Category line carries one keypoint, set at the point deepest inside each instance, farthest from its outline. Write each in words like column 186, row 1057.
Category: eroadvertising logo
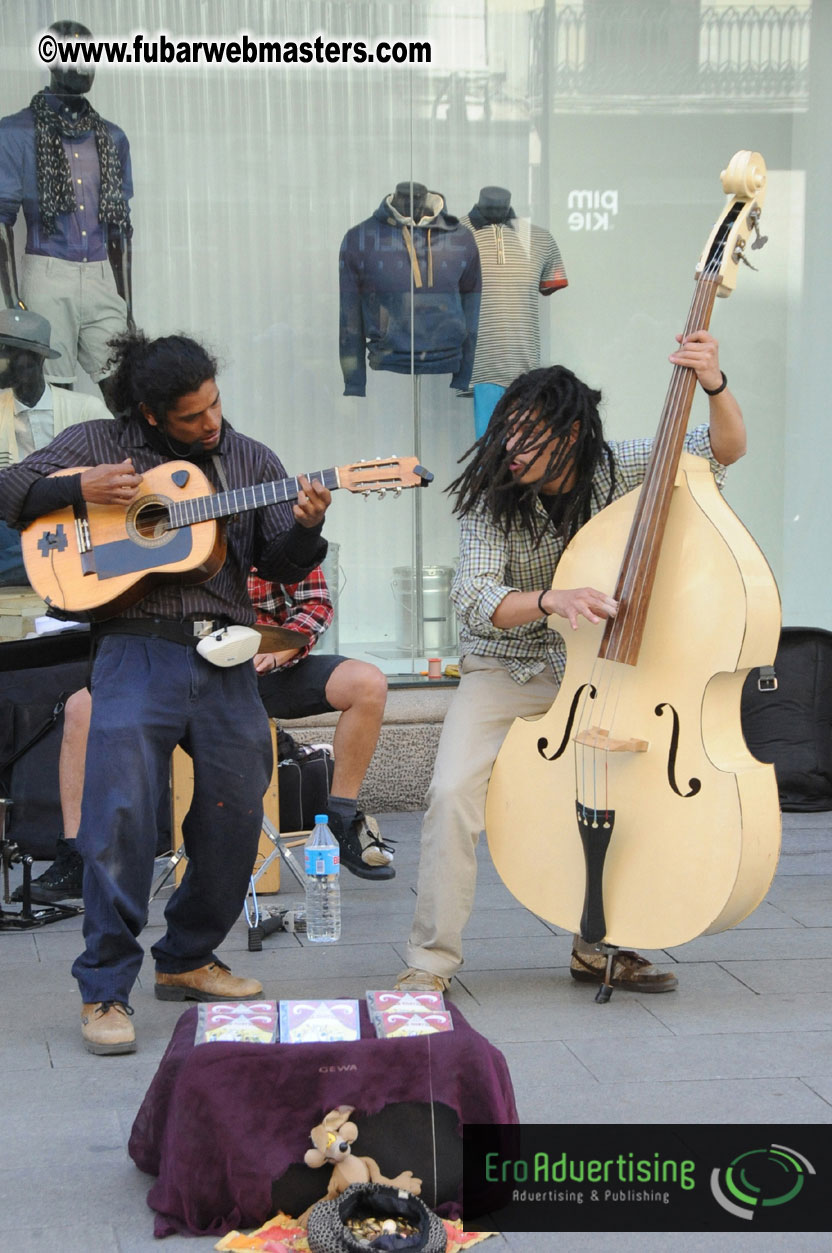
column 656, row 1177
column 760, row 1177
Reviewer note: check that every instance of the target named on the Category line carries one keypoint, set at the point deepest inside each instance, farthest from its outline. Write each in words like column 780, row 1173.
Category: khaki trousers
column 481, row 712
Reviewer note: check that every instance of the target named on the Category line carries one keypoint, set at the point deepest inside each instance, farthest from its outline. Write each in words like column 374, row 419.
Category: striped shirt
column 519, row 262
column 492, row 564
column 267, row 538
column 304, row 607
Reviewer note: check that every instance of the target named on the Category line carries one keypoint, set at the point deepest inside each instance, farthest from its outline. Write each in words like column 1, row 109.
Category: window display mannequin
column 519, row 262
column 31, row 412
column 70, row 171
column 411, row 266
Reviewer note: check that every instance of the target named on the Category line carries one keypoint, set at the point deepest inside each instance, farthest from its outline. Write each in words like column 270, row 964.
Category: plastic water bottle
column 322, row 864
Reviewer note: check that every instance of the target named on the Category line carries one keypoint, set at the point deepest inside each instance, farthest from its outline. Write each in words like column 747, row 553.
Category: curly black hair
column 156, row 372
column 542, row 405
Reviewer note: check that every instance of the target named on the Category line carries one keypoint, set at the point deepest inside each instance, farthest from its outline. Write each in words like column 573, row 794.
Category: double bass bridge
column 598, row 737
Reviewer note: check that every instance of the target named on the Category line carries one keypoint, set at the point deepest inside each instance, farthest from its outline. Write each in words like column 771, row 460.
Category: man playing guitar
column 151, row 689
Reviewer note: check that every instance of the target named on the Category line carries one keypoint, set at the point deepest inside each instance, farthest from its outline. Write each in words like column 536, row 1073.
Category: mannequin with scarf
column 520, row 262
column 70, row 220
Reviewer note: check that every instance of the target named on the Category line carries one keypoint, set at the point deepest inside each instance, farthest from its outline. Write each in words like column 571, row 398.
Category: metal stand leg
column 262, row 923
column 28, row 916
column 606, row 989
column 173, row 862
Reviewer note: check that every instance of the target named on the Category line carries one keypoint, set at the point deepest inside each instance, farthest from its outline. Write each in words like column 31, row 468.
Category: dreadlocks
column 540, row 406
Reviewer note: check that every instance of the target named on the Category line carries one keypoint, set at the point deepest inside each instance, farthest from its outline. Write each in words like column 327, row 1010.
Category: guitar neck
column 241, row 499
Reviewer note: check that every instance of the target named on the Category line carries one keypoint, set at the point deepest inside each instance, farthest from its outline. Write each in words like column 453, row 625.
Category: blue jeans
column 148, row 695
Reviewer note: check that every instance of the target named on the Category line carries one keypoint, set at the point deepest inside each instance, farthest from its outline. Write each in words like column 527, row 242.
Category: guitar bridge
column 84, row 540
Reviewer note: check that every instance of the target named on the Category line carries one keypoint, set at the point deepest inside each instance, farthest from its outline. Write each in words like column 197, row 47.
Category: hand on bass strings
column 111, row 484
column 313, row 501
column 700, row 352
column 575, row 602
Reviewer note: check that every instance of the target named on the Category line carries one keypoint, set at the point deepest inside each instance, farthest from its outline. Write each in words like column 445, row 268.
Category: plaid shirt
column 492, row 564
column 304, row 607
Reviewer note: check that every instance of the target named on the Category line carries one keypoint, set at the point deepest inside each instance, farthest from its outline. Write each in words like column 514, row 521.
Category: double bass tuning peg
column 760, row 241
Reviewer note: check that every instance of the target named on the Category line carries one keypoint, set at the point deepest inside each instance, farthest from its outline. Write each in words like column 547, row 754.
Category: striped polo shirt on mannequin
column 519, row 263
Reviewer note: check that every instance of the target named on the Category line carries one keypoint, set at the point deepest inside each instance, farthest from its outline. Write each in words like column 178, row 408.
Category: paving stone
column 814, row 913
column 74, row 1239
column 747, row 1038
column 793, row 975
column 821, row 1084
column 767, row 915
column 737, row 945
column 801, row 887
column 523, row 953
column 528, row 1006
column 710, row 1056
column 757, row 1100
column 700, row 1014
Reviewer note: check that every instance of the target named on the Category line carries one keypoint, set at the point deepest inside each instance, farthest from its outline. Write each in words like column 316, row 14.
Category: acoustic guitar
column 90, row 561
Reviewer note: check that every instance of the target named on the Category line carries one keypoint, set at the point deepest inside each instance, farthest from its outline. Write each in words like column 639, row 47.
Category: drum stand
column 26, row 917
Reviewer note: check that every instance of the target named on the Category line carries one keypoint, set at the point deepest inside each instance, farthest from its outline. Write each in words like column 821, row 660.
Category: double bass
column 632, row 812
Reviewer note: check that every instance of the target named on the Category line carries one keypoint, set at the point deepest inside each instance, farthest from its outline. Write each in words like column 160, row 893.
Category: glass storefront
column 255, row 190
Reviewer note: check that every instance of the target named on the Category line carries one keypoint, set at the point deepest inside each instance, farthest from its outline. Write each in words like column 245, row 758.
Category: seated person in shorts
column 293, row 684
column 296, row 684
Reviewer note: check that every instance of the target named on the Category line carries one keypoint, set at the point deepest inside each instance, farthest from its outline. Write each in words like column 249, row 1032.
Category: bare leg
column 359, row 691
column 72, row 759
column 63, row 879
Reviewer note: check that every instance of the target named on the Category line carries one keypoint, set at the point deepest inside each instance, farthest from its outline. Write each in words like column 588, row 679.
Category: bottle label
column 321, row 861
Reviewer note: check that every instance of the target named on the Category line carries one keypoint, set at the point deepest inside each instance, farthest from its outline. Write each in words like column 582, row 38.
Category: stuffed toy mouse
column 333, row 1139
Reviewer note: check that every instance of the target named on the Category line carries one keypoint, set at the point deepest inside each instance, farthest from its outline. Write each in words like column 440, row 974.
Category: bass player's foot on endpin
column 630, row 971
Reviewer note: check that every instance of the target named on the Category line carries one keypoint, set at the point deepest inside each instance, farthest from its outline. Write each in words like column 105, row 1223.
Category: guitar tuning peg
column 397, row 491
column 382, row 492
column 366, row 493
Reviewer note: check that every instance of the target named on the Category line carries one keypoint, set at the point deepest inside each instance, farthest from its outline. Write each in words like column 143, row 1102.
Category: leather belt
column 178, row 631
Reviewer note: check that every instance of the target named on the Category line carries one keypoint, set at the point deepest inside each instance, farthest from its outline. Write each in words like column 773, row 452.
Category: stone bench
column 402, row 764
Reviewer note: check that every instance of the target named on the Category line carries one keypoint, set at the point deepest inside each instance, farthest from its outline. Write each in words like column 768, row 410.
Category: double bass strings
column 663, row 465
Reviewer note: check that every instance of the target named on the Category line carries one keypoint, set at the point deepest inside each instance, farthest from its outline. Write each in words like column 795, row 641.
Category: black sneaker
column 59, row 882
column 363, row 851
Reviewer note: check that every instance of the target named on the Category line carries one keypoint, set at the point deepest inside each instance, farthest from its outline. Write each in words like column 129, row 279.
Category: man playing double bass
column 539, row 472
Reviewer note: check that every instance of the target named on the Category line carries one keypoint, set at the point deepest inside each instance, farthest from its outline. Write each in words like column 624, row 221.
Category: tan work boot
column 106, row 1027
column 213, row 982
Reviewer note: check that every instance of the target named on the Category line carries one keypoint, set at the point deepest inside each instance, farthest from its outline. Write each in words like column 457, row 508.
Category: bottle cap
column 323, row 819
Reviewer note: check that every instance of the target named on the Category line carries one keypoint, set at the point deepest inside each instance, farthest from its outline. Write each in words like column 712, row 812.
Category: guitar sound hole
column 151, row 521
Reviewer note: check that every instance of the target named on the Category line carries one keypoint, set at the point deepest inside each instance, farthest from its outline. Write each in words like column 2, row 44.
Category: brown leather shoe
column 213, row 982
column 413, row 980
column 106, row 1027
column 630, row 971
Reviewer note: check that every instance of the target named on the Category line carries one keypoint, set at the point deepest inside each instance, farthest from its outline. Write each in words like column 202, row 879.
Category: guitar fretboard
column 241, row 499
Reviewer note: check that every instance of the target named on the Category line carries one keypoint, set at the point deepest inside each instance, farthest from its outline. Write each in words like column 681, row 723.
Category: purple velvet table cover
column 220, row 1122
